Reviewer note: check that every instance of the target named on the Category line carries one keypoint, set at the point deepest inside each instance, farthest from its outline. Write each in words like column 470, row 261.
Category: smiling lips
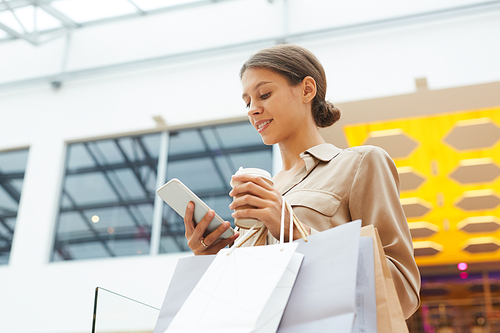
column 263, row 125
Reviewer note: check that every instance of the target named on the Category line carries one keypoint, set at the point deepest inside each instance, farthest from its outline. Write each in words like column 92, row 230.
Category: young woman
column 284, row 90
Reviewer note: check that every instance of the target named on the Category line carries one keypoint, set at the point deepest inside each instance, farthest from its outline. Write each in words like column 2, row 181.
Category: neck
column 290, row 150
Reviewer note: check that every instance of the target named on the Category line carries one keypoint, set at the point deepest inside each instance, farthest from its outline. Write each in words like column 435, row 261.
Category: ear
column 308, row 89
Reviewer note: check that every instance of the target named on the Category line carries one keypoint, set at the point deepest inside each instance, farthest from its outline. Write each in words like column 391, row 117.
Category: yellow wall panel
column 436, row 160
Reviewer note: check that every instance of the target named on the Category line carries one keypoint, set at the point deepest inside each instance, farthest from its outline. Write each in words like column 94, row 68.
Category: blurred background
column 101, row 102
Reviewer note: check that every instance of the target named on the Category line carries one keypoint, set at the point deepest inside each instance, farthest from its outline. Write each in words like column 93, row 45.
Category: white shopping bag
column 334, row 291
column 245, row 290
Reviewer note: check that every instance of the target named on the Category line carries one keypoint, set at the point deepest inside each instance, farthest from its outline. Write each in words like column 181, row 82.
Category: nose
column 254, row 110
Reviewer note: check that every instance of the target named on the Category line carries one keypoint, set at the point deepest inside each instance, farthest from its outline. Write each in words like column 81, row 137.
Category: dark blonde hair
column 295, row 63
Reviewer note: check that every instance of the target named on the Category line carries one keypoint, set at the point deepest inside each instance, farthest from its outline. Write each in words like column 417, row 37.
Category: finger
column 214, row 235
column 188, row 219
column 215, row 248
column 255, row 201
column 261, row 214
column 252, row 188
column 200, row 228
column 254, row 179
column 223, row 243
column 249, row 177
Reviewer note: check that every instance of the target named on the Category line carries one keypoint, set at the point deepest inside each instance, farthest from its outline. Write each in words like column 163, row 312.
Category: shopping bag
column 390, row 316
column 242, row 290
column 335, row 288
column 187, row 273
column 245, row 291
column 384, row 315
column 323, row 303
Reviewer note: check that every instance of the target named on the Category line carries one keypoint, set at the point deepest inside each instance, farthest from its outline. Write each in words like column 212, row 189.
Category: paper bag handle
column 251, row 232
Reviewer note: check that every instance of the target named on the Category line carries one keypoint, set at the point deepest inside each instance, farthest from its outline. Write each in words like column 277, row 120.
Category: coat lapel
column 312, row 156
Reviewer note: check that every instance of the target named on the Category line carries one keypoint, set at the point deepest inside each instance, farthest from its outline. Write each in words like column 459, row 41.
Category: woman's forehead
column 253, row 77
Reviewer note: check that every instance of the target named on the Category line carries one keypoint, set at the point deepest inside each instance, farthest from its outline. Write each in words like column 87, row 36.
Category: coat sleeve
column 374, row 198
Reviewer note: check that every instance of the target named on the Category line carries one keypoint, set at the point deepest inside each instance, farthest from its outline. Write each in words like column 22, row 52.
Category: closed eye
column 264, row 96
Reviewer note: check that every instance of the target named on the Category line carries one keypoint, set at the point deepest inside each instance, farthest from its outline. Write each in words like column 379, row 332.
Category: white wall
column 38, row 296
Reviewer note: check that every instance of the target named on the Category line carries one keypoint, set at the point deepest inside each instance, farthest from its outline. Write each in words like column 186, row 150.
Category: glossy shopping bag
column 333, row 290
column 242, row 290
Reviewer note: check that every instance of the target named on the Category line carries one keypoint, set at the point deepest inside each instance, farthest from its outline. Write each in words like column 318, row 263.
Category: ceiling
column 39, row 21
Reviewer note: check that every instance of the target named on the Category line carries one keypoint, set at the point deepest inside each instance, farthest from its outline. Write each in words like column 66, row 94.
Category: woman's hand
column 194, row 234
column 265, row 200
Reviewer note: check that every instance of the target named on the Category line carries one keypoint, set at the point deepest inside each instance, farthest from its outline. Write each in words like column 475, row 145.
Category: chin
column 268, row 141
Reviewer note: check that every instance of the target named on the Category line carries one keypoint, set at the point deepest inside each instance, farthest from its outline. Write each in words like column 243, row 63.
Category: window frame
column 162, row 169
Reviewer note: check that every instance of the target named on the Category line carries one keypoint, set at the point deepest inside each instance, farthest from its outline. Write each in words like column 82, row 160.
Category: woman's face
column 275, row 108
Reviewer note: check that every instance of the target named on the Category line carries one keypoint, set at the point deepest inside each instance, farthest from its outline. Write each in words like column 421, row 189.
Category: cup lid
column 254, row 171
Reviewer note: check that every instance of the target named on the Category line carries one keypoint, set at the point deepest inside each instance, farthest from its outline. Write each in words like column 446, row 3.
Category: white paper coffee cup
column 248, row 223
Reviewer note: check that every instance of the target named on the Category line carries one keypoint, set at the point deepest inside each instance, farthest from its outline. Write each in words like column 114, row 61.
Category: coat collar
column 324, row 152
column 321, row 153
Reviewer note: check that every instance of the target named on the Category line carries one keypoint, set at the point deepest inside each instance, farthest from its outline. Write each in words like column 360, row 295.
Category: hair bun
column 326, row 114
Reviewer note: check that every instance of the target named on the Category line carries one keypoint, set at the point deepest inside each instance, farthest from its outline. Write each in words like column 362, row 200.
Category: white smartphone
column 177, row 195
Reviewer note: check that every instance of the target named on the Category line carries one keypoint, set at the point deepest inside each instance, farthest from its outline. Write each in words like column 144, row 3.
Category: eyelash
column 265, row 96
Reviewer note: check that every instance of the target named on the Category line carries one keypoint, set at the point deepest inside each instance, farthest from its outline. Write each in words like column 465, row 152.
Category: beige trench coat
column 337, row 186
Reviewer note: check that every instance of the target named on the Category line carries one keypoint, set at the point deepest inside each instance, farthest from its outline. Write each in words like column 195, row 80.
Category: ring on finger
column 203, row 243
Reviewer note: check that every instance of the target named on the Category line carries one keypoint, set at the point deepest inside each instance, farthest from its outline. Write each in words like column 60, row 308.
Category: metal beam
column 13, row 4
column 135, row 170
column 47, row 37
column 6, row 239
column 137, row 8
column 15, row 16
column 66, row 21
column 82, row 237
column 114, row 166
column 12, row 175
column 5, row 249
column 9, row 215
column 220, row 142
column 172, row 158
column 152, row 162
column 64, row 253
column 223, row 151
column 6, row 226
column 112, row 184
column 108, row 204
column 183, row 56
column 214, row 162
column 86, row 221
column 166, row 9
column 10, row 189
column 16, row 34
column 40, row 3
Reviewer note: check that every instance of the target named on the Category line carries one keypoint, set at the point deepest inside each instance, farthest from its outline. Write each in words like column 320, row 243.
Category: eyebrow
column 261, row 83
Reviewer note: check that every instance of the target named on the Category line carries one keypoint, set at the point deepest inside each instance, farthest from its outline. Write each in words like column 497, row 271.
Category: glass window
column 204, row 160
column 107, row 199
column 109, row 189
column 12, row 168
